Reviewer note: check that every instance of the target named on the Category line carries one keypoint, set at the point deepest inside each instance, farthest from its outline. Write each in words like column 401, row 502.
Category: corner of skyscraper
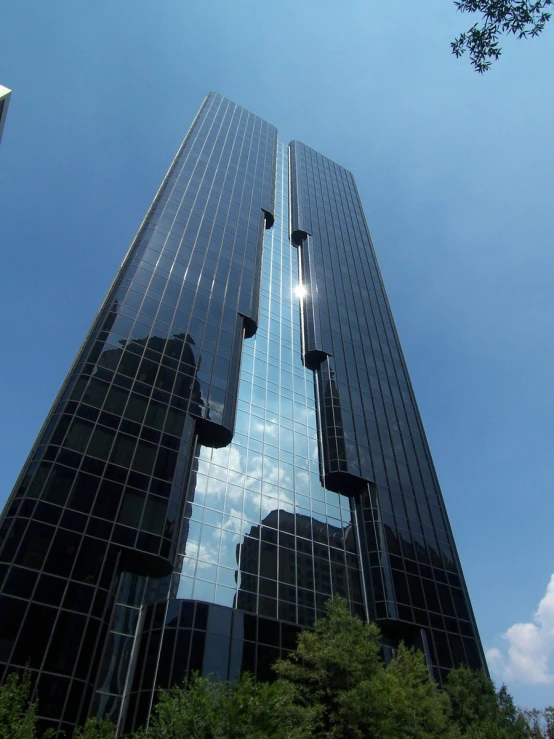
column 236, row 442
column 5, row 95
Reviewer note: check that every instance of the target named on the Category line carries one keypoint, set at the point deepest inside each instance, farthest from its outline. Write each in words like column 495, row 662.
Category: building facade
column 236, row 442
column 5, row 95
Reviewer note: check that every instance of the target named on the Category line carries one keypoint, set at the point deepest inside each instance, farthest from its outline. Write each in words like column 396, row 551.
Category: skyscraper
column 5, row 95
column 236, row 442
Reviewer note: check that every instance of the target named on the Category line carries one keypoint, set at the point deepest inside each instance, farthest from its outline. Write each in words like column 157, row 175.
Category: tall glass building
column 236, row 442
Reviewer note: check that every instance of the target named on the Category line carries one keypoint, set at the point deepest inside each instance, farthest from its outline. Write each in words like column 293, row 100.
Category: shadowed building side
column 103, row 490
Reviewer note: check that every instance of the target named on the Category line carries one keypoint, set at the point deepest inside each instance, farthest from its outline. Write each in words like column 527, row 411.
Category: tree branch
column 520, row 18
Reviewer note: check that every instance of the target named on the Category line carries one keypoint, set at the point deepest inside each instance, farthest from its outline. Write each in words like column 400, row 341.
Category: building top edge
column 214, row 93
column 301, row 143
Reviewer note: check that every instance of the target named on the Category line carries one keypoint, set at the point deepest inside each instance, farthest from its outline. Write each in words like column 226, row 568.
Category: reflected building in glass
column 237, row 442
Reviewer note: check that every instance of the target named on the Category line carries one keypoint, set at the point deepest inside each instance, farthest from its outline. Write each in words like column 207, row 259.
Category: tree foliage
column 335, row 685
column 94, row 729
column 206, row 709
column 478, row 711
column 520, row 18
column 342, row 689
column 17, row 713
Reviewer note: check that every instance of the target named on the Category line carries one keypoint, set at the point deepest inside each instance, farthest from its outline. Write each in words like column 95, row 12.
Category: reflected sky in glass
column 258, row 507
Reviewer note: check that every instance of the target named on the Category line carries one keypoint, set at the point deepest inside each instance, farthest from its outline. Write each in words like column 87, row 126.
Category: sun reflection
column 300, row 291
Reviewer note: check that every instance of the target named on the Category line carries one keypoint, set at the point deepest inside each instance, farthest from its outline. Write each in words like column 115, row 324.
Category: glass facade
column 374, row 446
column 264, row 535
column 236, row 442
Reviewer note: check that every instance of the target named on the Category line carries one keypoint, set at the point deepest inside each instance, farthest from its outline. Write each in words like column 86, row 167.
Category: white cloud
column 529, row 655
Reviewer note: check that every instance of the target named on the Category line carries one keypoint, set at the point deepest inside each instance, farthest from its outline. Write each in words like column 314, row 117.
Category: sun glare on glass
column 300, row 291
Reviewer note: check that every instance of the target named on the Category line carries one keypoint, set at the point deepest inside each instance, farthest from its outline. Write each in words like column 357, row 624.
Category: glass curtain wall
column 261, row 535
column 264, row 535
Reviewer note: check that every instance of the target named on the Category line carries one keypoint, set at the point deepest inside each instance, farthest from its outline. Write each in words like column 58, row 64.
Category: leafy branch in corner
column 520, row 18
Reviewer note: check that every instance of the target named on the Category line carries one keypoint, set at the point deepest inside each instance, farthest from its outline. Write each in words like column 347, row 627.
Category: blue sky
column 455, row 172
